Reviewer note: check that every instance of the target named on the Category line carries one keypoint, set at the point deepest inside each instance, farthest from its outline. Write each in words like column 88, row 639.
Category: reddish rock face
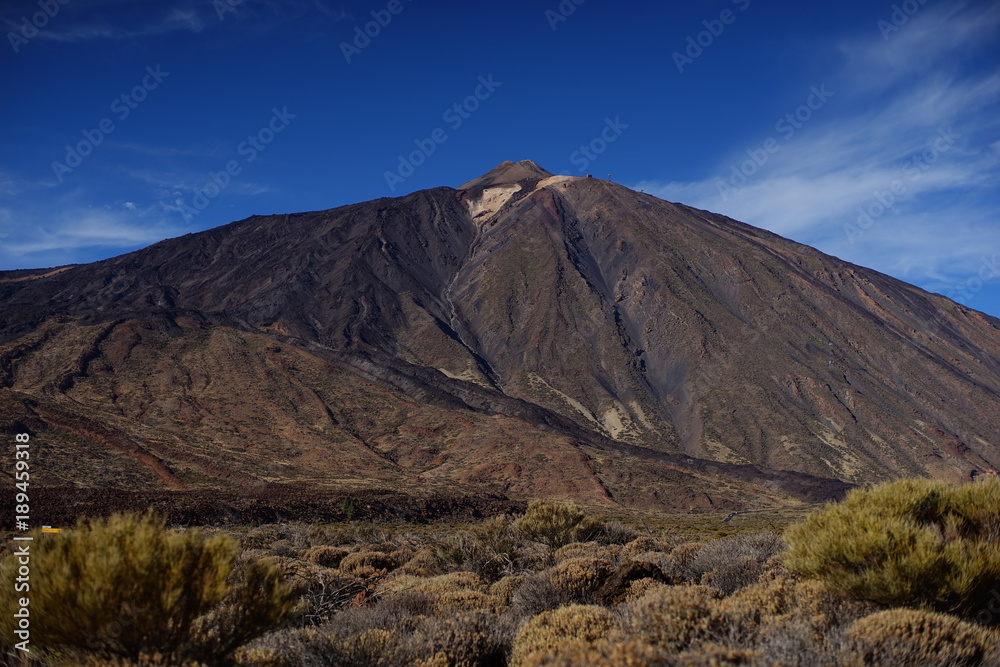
column 526, row 333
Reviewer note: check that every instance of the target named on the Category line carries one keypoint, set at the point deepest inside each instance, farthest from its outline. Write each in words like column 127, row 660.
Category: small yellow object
column 50, row 529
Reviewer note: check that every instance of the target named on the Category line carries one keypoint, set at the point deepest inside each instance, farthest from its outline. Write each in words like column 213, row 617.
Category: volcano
column 525, row 334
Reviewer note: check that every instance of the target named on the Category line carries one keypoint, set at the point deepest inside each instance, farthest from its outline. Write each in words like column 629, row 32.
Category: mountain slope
column 537, row 334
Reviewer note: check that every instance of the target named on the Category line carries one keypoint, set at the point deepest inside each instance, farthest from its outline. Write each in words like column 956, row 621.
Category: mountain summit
column 525, row 333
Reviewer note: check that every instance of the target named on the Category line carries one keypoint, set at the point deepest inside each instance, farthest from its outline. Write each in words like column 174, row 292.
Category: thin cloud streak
column 920, row 160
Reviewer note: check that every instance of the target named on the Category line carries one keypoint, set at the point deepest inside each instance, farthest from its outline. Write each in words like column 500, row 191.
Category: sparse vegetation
column 542, row 589
column 127, row 587
column 908, row 543
column 557, row 524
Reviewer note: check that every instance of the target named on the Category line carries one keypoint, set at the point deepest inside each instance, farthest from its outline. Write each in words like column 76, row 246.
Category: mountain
column 524, row 334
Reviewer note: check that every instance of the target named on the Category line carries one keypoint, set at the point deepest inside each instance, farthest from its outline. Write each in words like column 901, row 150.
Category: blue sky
column 869, row 130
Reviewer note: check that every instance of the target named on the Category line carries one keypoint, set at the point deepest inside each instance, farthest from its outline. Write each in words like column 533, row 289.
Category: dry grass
column 488, row 594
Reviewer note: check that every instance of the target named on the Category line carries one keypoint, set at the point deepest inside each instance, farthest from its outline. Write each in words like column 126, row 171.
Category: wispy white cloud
column 914, row 116
column 45, row 238
column 175, row 20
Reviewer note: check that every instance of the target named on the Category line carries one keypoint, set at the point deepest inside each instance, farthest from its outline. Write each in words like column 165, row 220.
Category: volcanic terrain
column 523, row 335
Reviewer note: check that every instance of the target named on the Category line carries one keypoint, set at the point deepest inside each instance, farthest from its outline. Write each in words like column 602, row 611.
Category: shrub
column 613, row 652
column 616, row 532
column 557, row 524
column 367, row 563
column 734, row 575
column 462, row 640
column 671, row 617
column 424, row 563
column 125, row 586
column 586, row 550
column 490, row 549
column 912, row 637
column 322, row 591
column 645, row 543
column 560, row 629
column 907, row 543
column 453, row 581
column 535, row 594
column 579, row 578
column 448, row 603
column 679, row 561
column 504, row 589
column 732, row 562
column 325, row 555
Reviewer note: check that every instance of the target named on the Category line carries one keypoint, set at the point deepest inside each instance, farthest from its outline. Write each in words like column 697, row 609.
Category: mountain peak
column 509, row 173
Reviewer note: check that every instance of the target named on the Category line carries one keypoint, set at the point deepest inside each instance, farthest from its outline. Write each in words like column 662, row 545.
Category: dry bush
column 580, row 578
column 324, row 555
column 616, row 532
column 670, row 617
column 261, row 537
column 492, row 548
column 733, row 562
column 644, row 544
column 640, row 587
column 912, row 637
column 907, row 543
column 366, row 563
column 424, row 563
column 559, row 629
column 734, row 575
column 465, row 639
column 322, row 591
column 590, row 549
column 453, row 581
column 126, row 586
column 557, row 524
column 710, row 655
column 535, row 594
column 679, row 561
column 284, row 548
column 503, row 590
column 615, row 587
column 612, row 652
column 449, row 603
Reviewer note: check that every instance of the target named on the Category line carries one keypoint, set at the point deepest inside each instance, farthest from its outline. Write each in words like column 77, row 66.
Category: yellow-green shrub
column 913, row 637
column 126, row 586
column 557, row 524
column 559, row 629
column 912, row 542
column 671, row 617
column 324, row 555
column 580, row 576
column 613, row 652
column 367, row 563
column 587, row 550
